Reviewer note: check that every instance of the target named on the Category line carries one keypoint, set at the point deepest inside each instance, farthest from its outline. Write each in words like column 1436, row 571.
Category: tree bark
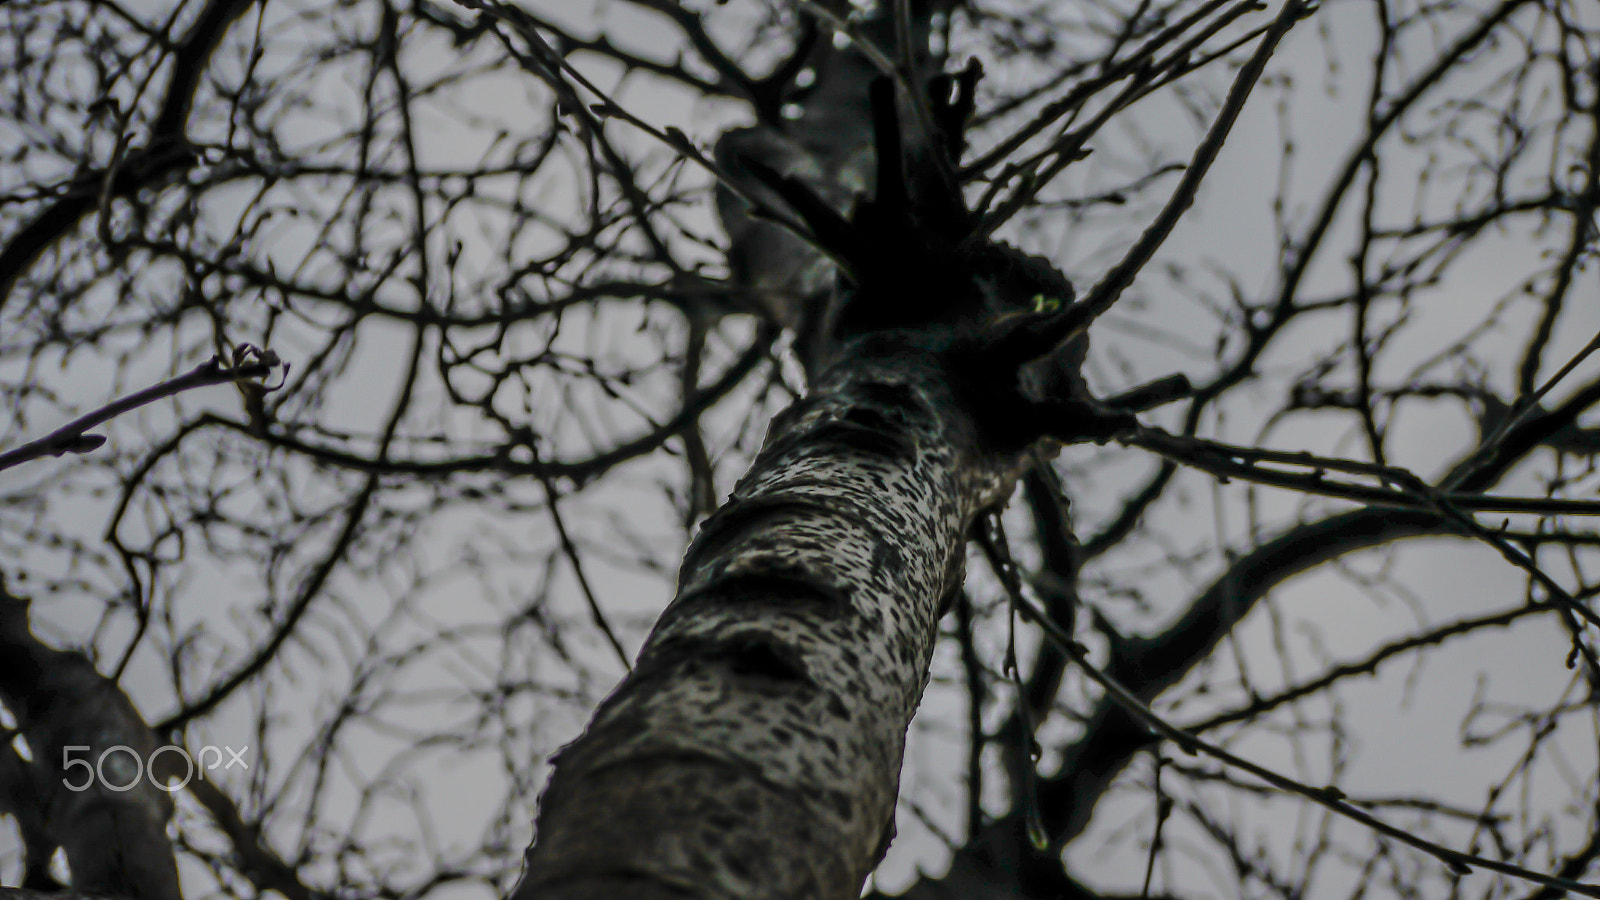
column 755, row 750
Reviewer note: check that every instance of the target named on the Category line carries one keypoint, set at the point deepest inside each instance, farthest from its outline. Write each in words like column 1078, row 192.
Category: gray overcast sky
column 1401, row 723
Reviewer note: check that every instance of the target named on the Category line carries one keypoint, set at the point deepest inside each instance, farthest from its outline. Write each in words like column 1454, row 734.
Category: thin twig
column 1233, row 461
column 992, row 538
column 73, row 437
column 553, row 63
column 1329, row 797
column 1122, row 274
column 1402, row 488
column 1530, row 405
column 570, row 549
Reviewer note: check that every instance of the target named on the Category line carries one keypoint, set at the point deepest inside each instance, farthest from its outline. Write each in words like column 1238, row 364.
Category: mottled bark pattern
column 755, row 752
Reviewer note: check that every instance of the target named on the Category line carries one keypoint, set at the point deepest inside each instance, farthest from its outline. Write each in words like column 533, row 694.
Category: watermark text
column 121, row 768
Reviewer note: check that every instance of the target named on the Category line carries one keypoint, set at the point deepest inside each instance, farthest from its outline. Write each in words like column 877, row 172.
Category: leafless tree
column 1188, row 404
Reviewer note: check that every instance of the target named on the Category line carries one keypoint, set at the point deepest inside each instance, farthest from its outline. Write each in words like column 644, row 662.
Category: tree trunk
column 755, row 750
column 84, row 787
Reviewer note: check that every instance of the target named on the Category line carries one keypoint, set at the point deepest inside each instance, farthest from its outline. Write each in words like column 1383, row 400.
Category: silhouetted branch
column 73, row 437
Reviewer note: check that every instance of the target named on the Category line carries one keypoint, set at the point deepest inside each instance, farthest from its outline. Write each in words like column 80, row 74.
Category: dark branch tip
column 81, row 443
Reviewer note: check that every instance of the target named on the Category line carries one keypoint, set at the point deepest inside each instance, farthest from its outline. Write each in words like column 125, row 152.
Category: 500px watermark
column 97, row 770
